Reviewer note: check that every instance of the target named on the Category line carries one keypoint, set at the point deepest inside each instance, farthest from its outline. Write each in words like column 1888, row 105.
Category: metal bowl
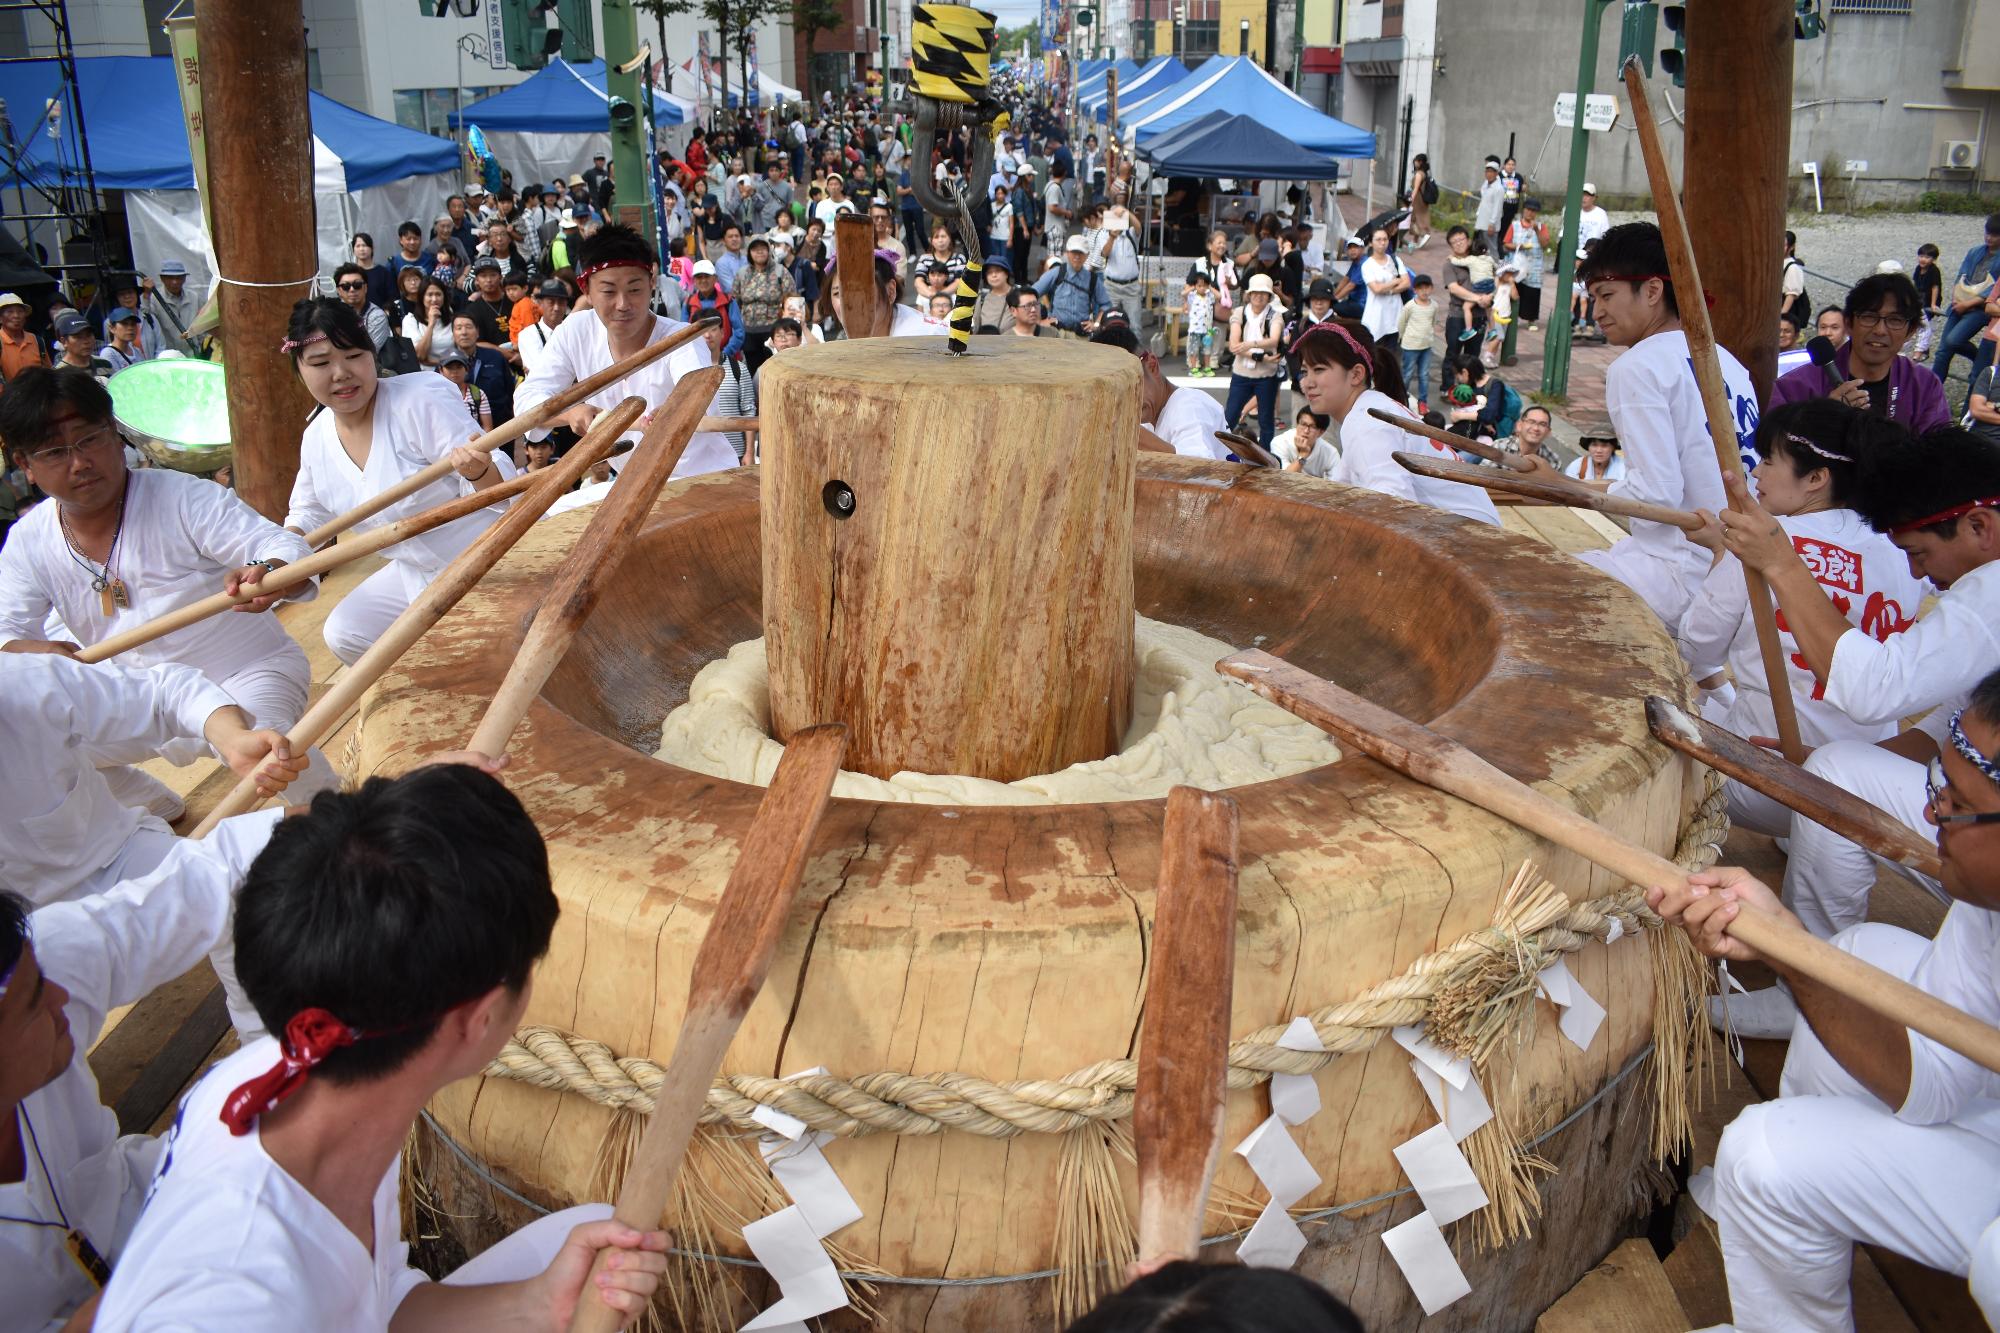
column 176, row 411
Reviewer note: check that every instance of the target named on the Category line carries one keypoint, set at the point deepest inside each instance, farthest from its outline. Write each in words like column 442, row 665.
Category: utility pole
column 260, row 146
column 1555, row 349
column 631, row 171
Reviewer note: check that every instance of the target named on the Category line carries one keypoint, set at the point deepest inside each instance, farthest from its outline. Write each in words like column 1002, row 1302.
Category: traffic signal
column 527, row 38
column 1675, row 61
column 1806, row 21
column 1636, row 34
column 579, row 33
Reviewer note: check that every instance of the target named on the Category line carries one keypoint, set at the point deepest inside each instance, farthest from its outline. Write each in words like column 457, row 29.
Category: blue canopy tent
column 1158, row 74
column 1240, row 86
column 1222, row 143
column 1093, row 85
column 1086, row 69
column 551, row 123
column 368, row 174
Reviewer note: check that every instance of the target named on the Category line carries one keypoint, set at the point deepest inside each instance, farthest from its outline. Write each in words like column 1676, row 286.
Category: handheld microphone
column 1821, row 351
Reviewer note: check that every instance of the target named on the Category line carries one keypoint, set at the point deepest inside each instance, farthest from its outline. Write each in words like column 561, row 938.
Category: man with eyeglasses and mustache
column 1937, row 497
column 111, row 548
column 1877, row 1135
column 1868, row 371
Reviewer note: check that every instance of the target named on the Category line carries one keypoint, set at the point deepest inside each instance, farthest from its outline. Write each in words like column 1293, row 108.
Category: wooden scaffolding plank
column 1627, row 1293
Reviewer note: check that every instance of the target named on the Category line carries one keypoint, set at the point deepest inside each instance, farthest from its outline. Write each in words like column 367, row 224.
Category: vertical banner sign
column 750, row 94
column 187, row 77
column 496, row 36
column 704, row 72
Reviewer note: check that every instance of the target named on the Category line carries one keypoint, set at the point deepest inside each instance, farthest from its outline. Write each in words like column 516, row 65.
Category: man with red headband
column 387, row 937
column 617, row 270
column 1878, row 1135
column 1658, row 416
column 1938, row 500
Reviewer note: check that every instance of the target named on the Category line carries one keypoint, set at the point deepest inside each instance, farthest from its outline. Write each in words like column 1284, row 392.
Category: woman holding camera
column 1254, row 331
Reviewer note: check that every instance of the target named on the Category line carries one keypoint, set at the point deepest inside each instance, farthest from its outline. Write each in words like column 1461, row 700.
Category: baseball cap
column 569, row 217
column 1589, row 187
column 1077, row 244
column 121, row 314
column 1888, row 266
column 69, row 322
column 475, row 191
column 1267, row 250
column 1321, row 290
column 1357, row 240
column 553, row 287
column 11, row 298
column 485, row 263
column 173, row 268
column 1027, row 168
column 453, row 357
column 702, row 266
column 597, row 157
column 759, row 239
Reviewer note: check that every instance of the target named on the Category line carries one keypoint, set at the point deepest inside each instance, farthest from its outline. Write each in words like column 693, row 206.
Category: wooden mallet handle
column 863, row 313
column 729, row 970
column 730, row 423
column 1177, row 1110
column 1512, row 461
column 539, row 415
column 311, row 567
column 1416, row 750
column 1248, row 449
column 1792, row 787
column 1700, row 333
column 444, row 592
column 1555, row 492
column 595, row 559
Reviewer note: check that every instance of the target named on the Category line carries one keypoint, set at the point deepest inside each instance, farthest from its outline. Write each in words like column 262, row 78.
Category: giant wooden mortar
column 1010, row 943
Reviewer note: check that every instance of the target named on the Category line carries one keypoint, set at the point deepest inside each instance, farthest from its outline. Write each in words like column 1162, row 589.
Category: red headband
column 310, row 1036
column 603, row 264
column 1945, row 515
column 1334, row 326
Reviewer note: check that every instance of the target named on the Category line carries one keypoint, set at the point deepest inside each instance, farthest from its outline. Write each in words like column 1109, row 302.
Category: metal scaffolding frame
column 70, row 200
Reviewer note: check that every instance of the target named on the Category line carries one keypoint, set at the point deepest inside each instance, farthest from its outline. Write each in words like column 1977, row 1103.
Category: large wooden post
column 948, row 551
column 260, row 166
column 1737, row 151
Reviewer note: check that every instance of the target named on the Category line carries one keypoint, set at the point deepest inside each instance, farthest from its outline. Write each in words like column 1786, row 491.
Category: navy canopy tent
column 1224, row 144
column 1242, row 87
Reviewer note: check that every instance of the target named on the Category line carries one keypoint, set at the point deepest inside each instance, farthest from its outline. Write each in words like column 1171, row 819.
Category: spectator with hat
column 1254, row 335
column 1073, row 291
column 1318, row 307
column 455, row 367
column 1492, row 205
column 123, row 349
column 174, row 306
column 1599, row 463
column 1026, row 202
column 989, row 312
column 19, row 348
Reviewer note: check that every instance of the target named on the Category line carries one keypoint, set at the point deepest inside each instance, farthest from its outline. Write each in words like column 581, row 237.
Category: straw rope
column 1469, row 993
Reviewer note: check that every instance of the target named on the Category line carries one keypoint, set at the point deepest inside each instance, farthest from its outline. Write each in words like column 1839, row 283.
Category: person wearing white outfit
column 1657, row 414
column 1878, row 1135
column 1171, row 420
column 616, row 269
column 1387, row 279
column 369, row 435
column 1813, row 455
column 63, row 968
column 387, row 936
column 1344, row 372
column 1937, row 497
column 68, row 836
column 115, row 547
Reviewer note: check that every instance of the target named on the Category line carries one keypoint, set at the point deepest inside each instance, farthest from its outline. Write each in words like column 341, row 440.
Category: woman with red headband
column 368, row 435
column 617, row 270
column 387, row 937
column 1344, row 372
column 1937, row 498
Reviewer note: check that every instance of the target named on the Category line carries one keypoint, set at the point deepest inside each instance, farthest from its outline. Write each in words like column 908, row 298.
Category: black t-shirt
column 492, row 318
column 1986, row 385
column 1878, row 396
column 1930, row 284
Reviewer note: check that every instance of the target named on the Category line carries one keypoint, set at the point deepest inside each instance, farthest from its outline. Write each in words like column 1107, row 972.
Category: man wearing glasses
column 1869, row 371
column 111, row 548
column 1877, row 1135
column 1941, row 507
column 351, row 281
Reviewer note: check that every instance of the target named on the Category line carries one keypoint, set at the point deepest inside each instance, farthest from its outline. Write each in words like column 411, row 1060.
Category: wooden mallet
column 314, row 565
column 1554, row 492
column 453, row 582
column 729, row 970
column 1505, row 458
column 1248, row 449
column 1714, row 397
column 1416, row 750
column 1859, row 821
column 595, row 559
column 1177, row 1109
column 863, row 313
column 541, row 414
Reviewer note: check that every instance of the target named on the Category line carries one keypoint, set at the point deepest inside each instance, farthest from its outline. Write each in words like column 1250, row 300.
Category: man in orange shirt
column 19, row 348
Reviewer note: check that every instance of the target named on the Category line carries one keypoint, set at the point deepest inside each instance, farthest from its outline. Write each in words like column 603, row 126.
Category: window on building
column 1869, row 7
column 1201, row 37
column 429, row 109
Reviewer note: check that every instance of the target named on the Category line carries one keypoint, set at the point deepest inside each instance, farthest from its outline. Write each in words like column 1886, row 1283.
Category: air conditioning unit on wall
column 1960, row 155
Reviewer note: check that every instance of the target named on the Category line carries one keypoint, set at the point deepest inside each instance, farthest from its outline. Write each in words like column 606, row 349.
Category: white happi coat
column 580, row 348
column 59, row 720
column 107, row 950
column 418, row 420
column 182, row 536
